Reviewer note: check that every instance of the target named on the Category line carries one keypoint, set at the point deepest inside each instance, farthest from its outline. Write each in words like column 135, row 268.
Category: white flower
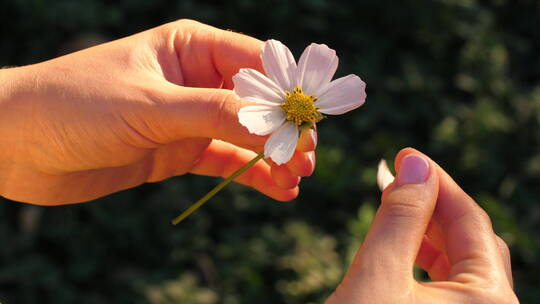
column 293, row 96
column 384, row 176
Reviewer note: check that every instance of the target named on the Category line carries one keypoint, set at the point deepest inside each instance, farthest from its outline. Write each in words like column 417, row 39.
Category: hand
column 139, row 109
column 426, row 218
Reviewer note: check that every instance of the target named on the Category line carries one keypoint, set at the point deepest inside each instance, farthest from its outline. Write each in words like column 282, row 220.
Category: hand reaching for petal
column 139, row 109
column 427, row 219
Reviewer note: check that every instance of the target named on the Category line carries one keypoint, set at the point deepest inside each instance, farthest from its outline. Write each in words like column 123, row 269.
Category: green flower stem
column 213, row 192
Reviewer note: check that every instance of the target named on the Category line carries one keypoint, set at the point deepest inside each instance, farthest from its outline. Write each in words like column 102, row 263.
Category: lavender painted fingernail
column 414, row 169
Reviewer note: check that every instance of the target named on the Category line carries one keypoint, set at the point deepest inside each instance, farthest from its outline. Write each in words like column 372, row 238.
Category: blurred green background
column 457, row 79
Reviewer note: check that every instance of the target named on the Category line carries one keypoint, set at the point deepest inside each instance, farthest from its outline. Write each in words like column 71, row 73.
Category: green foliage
column 457, row 79
column 182, row 290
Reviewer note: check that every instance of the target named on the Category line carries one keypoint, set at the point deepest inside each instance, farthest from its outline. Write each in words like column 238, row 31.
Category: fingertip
column 302, row 164
column 283, row 177
column 311, row 161
column 402, row 153
column 286, row 195
column 406, row 209
column 414, row 169
column 308, row 140
column 433, row 260
column 412, row 153
column 266, row 184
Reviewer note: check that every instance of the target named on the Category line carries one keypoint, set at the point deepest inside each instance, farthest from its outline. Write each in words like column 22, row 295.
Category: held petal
column 316, row 67
column 341, row 95
column 278, row 63
column 384, row 176
column 261, row 119
column 253, row 86
column 282, row 143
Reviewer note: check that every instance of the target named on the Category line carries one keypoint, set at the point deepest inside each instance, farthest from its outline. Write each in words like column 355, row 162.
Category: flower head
column 293, row 96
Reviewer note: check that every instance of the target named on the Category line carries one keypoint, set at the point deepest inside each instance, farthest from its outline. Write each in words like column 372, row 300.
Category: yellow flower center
column 301, row 108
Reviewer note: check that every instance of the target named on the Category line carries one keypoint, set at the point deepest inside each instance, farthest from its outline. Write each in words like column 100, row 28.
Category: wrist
column 15, row 82
column 10, row 83
column 16, row 85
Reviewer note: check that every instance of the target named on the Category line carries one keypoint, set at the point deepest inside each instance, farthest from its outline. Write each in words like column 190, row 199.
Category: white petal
column 341, row 95
column 384, row 176
column 279, row 64
column 261, row 119
column 253, row 86
column 281, row 145
column 316, row 67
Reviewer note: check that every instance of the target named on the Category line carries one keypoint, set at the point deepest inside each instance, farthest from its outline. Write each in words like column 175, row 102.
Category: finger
column 307, row 141
column 209, row 56
column 222, row 159
column 302, row 164
column 182, row 112
column 393, row 241
column 505, row 255
column 435, row 235
column 283, row 177
column 433, row 260
column 176, row 112
column 470, row 242
column 175, row 158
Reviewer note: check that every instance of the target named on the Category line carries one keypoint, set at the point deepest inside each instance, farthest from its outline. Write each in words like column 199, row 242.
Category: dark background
column 457, row 79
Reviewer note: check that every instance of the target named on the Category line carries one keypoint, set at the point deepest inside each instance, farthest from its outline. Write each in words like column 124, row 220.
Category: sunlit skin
column 440, row 228
column 140, row 109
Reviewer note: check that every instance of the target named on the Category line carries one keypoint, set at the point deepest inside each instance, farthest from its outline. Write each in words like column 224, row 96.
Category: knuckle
column 483, row 216
column 405, row 203
column 186, row 22
column 228, row 167
column 403, row 210
column 180, row 25
column 503, row 245
column 225, row 112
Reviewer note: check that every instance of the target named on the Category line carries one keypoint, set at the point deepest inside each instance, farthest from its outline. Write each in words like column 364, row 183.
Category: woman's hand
column 140, row 109
column 427, row 219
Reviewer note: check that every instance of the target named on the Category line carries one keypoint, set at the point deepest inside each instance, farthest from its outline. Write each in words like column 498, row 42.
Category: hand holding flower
column 140, row 109
column 282, row 107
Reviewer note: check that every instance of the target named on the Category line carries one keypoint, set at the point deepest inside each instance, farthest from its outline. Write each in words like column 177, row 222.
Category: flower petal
column 261, row 119
column 253, row 86
column 281, row 145
column 279, row 64
column 384, row 176
column 316, row 67
column 341, row 95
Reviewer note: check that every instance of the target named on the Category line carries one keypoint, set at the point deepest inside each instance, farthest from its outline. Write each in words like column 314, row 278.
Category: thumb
column 393, row 241
column 186, row 112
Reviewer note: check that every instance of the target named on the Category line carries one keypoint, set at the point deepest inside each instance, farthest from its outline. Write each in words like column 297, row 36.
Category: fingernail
column 311, row 157
column 414, row 169
column 314, row 137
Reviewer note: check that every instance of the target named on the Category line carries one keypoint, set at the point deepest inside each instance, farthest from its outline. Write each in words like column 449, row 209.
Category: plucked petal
column 253, row 86
column 261, row 119
column 384, row 176
column 282, row 143
column 316, row 67
column 279, row 64
column 341, row 95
